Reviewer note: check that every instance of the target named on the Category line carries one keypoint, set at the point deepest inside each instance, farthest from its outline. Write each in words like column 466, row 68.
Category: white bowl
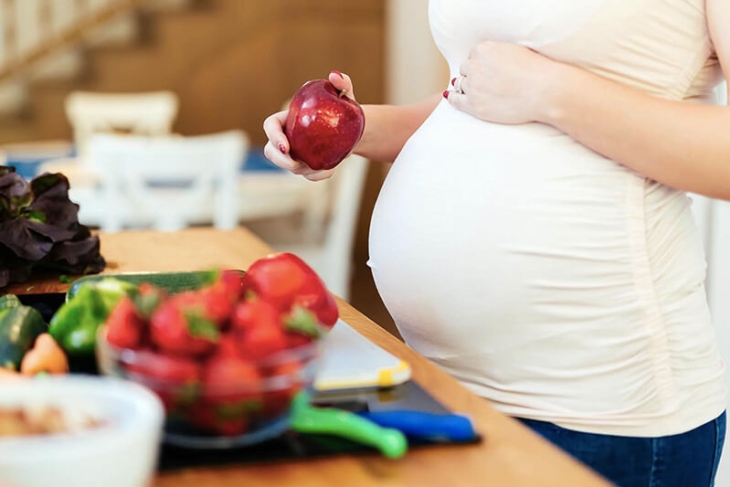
column 122, row 453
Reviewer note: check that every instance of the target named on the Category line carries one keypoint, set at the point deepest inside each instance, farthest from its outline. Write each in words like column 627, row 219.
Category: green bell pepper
column 9, row 301
column 75, row 324
column 19, row 327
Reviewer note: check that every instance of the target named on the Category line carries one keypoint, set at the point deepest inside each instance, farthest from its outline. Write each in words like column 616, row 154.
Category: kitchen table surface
column 510, row 455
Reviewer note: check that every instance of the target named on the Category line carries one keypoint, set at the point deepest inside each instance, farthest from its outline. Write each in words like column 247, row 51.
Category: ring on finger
column 458, row 84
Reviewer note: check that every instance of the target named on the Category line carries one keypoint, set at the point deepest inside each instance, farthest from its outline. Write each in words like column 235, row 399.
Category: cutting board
column 351, row 361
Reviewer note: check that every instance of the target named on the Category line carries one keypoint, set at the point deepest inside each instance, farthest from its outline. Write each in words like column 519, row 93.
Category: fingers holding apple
column 343, row 83
column 295, row 167
column 277, row 150
column 274, row 129
column 315, row 176
column 282, row 159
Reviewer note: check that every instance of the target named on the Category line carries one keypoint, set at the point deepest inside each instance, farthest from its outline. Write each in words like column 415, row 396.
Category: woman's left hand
column 503, row 83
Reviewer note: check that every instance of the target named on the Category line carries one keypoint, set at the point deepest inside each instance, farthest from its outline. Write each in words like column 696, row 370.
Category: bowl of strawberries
column 228, row 358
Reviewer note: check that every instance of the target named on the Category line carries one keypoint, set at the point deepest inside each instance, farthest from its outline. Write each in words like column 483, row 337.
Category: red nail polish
column 453, row 81
column 446, row 94
column 338, row 73
column 282, row 148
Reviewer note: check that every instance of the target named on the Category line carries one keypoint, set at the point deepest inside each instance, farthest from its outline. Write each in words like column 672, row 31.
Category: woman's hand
column 503, row 83
column 277, row 148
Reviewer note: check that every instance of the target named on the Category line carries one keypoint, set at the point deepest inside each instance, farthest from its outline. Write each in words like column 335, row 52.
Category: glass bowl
column 203, row 416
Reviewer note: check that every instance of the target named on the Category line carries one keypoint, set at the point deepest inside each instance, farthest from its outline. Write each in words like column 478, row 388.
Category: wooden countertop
column 511, row 455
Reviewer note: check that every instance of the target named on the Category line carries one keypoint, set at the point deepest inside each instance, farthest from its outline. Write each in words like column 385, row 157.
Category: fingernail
column 446, row 94
column 282, row 148
column 453, row 81
column 338, row 73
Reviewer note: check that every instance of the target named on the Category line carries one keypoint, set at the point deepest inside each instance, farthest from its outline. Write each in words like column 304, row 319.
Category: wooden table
column 511, row 455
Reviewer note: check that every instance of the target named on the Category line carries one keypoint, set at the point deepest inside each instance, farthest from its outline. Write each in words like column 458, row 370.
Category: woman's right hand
column 277, row 148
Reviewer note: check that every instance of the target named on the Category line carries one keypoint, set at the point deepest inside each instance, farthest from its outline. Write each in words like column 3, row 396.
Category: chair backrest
column 333, row 258
column 148, row 114
column 168, row 183
column 348, row 182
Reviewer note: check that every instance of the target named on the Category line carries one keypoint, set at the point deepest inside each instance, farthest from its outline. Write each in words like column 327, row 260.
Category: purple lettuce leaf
column 51, row 213
column 13, row 268
column 14, row 193
column 78, row 255
column 25, row 243
column 39, row 228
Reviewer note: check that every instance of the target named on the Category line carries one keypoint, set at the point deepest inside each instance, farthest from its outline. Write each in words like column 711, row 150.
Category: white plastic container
column 121, row 453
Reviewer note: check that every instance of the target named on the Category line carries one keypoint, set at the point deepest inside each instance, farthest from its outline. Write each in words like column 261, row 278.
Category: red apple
column 323, row 125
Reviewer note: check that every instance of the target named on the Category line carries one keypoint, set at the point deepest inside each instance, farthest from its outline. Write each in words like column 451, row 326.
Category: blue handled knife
column 407, row 408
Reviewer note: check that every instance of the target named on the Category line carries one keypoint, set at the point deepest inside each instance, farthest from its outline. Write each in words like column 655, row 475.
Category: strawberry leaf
column 147, row 303
column 303, row 321
column 199, row 327
column 237, row 409
column 187, row 394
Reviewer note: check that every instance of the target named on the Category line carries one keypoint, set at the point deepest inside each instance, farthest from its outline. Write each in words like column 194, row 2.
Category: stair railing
column 33, row 30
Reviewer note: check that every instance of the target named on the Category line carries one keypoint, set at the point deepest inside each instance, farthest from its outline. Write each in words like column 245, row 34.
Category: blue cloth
column 26, row 163
column 27, row 169
column 684, row 460
column 257, row 161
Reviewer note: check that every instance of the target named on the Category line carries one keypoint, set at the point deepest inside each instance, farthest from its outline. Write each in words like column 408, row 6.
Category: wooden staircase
column 231, row 62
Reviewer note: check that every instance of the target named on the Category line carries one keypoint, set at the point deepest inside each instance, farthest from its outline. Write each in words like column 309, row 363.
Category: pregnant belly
column 488, row 243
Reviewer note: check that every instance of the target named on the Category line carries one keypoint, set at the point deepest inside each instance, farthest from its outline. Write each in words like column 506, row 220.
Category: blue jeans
column 685, row 460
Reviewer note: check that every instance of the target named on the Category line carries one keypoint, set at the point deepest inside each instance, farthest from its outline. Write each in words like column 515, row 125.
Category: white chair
column 165, row 183
column 271, row 194
column 149, row 114
column 334, row 207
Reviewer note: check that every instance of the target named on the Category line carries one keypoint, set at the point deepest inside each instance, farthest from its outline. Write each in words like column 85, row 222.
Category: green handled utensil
column 309, row 419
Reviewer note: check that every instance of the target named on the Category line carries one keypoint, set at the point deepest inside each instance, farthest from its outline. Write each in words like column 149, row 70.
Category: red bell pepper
column 285, row 280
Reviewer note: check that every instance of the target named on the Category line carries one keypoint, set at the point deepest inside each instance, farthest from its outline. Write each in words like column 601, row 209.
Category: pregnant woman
column 534, row 237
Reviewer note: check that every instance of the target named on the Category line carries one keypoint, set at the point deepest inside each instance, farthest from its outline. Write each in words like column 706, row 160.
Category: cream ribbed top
column 558, row 284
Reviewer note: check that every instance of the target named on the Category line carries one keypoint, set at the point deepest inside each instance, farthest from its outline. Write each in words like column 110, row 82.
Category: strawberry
column 276, row 278
column 232, row 381
column 232, row 427
column 227, row 347
column 229, row 282
column 178, row 330
column 176, row 380
column 284, row 279
column 276, row 402
column 187, row 298
column 255, row 312
column 296, row 340
column 316, row 298
column 207, row 417
column 217, row 305
column 124, row 326
column 326, row 310
column 202, row 416
column 214, row 303
column 262, row 341
column 148, row 299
